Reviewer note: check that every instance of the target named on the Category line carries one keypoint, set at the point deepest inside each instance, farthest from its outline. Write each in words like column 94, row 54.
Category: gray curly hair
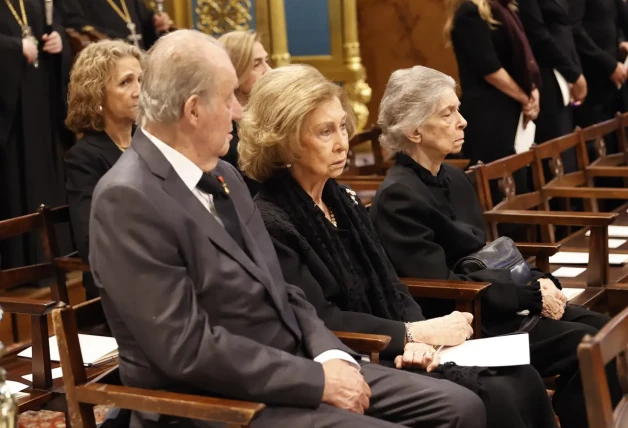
column 411, row 96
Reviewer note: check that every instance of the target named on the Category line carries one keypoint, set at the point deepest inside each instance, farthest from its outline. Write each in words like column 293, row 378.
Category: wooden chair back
column 594, row 353
column 360, row 141
column 81, row 395
column 501, row 172
column 607, row 165
column 574, row 184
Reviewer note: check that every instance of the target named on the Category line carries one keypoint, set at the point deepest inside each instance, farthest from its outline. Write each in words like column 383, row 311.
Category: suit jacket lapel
column 213, row 230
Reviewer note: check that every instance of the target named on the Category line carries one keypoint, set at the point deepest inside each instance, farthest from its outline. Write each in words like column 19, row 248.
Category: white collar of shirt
column 189, row 172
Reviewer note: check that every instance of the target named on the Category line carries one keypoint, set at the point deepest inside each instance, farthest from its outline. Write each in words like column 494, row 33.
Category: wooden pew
column 607, row 165
column 594, row 353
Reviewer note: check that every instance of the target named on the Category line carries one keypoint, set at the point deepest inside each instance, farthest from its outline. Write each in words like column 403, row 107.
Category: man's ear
column 415, row 136
column 191, row 107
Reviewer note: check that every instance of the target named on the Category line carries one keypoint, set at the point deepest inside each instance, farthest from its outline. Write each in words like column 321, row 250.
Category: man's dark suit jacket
column 189, row 309
column 86, row 163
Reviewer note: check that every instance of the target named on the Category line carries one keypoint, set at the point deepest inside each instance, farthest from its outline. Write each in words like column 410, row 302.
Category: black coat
column 492, row 115
column 85, row 163
column 426, row 224
column 597, row 27
column 548, row 26
column 302, row 266
column 100, row 15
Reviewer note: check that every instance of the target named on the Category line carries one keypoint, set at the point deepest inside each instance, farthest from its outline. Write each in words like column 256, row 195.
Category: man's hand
column 418, row 355
column 345, row 387
column 162, row 22
column 450, row 330
column 579, row 90
column 29, row 50
column 52, row 43
column 619, row 75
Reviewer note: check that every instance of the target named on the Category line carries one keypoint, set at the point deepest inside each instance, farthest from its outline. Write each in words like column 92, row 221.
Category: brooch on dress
column 352, row 194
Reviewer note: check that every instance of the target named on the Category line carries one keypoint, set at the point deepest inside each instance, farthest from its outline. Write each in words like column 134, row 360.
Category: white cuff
column 336, row 354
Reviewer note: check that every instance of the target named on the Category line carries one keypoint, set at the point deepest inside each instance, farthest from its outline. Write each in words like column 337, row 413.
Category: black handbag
column 502, row 253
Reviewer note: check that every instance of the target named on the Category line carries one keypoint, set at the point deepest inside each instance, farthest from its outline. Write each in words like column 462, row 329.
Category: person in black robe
column 548, row 26
column 31, row 127
column 110, row 17
column 327, row 246
column 597, row 28
column 428, row 218
column 104, row 116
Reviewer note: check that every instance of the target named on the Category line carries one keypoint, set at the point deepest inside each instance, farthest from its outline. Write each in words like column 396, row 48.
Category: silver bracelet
column 409, row 336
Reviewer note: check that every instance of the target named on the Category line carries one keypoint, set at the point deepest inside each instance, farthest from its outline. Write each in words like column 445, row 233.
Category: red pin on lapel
column 224, row 185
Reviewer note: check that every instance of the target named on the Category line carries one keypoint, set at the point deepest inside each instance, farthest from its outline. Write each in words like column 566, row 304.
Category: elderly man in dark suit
column 191, row 284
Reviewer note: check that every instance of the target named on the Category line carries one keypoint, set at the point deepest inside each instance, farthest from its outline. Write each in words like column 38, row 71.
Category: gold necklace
column 126, row 17
column 27, row 32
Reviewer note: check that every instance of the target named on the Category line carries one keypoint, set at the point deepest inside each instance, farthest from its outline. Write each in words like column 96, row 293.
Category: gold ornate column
column 278, row 38
column 358, row 90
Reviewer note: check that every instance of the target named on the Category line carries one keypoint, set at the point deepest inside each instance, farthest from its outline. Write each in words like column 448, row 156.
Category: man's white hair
column 177, row 67
column 411, row 96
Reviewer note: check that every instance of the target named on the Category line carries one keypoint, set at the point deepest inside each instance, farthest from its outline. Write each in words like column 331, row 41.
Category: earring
column 288, row 165
column 100, row 109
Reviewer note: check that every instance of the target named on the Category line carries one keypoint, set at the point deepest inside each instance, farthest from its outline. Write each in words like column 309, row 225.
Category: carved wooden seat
column 533, row 209
column 608, row 165
column 37, row 310
column 575, row 185
column 610, row 343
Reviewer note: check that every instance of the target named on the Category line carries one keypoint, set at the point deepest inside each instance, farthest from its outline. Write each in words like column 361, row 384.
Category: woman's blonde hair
column 484, row 8
column 270, row 129
column 89, row 76
column 239, row 47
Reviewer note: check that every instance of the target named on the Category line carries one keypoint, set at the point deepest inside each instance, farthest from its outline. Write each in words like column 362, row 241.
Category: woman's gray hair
column 411, row 96
column 176, row 67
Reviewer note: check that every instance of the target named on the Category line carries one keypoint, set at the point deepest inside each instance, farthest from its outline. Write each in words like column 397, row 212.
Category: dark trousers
column 553, row 346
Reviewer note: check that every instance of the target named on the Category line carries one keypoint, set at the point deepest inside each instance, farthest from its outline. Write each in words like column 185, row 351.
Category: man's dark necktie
column 224, row 206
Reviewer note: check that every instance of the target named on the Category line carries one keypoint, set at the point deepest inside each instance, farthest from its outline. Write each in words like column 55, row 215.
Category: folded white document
column 15, row 387
column 524, row 137
column 615, row 232
column 502, row 351
column 616, row 243
column 56, row 374
column 564, row 87
column 572, row 293
column 574, row 258
column 95, row 349
column 568, row 272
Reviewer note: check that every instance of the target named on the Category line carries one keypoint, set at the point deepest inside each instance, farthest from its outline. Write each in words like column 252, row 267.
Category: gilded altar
column 322, row 33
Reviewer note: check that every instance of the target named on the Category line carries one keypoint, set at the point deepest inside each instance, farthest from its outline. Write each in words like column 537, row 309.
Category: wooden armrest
column 563, row 218
column 537, row 250
column 586, row 192
column 589, row 297
column 607, row 171
column 362, row 342
column 444, row 289
column 70, row 264
column 170, row 403
column 19, row 305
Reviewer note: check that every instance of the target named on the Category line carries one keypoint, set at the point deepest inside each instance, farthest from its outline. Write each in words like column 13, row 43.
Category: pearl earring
column 288, row 165
column 100, row 109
